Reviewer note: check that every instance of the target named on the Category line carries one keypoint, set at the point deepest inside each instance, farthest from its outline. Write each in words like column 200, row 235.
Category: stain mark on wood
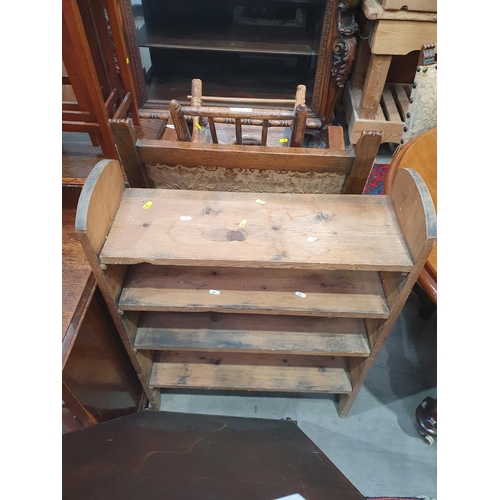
column 223, row 234
column 211, row 211
column 320, row 217
column 279, row 257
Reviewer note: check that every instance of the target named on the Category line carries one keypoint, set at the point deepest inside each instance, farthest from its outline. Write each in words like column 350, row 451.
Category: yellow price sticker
column 284, row 139
column 243, row 223
column 127, row 60
column 198, row 125
column 147, row 205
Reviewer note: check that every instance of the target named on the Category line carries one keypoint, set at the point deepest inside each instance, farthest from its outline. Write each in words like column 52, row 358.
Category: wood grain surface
column 252, row 333
column 353, row 232
column 250, row 372
column 253, row 291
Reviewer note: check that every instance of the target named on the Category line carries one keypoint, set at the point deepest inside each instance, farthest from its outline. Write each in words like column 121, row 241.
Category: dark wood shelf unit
column 228, row 74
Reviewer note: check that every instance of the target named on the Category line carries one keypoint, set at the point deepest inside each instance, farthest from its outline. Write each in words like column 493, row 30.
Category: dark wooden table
column 183, row 456
column 98, row 380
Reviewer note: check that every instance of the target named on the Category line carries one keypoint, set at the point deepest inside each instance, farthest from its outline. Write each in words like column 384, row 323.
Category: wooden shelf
column 254, row 291
column 241, row 39
column 214, row 332
column 247, row 328
column 354, row 232
column 250, row 372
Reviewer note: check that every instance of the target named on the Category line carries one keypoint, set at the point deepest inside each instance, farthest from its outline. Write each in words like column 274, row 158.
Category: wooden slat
column 354, row 232
column 402, row 101
column 124, row 106
column 89, row 128
column 390, row 106
column 237, row 123
column 236, row 156
column 250, row 372
column 124, row 138
column 70, row 106
column 76, row 116
column 111, row 101
column 327, row 293
column 252, row 334
column 336, row 137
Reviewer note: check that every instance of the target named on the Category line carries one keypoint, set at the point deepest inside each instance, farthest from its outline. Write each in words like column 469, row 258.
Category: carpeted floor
column 375, row 184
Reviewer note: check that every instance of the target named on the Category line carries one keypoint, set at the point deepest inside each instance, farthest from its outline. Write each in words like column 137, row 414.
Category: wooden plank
column 336, row 137
column 374, row 10
column 169, row 133
column 252, row 334
column 299, row 126
column 124, row 138
column 76, row 116
column 249, row 39
column 390, row 106
column 85, row 127
column 251, row 291
column 402, row 101
column 411, row 5
column 354, row 232
column 402, row 37
column 124, row 107
column 250, row 372
column 236, row 156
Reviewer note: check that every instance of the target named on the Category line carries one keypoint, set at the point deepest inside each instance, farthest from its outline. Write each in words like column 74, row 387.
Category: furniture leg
column 378, row 68
column 362, row 58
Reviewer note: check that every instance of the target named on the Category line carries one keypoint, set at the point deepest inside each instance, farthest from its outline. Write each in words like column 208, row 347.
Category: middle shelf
column 252, row 291
column 255, row 333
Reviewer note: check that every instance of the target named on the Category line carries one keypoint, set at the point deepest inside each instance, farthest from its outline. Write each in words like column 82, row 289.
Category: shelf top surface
column 207, row 228
column 257, row 39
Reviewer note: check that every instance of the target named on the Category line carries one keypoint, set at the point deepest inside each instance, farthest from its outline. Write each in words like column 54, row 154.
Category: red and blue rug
column 375, row 184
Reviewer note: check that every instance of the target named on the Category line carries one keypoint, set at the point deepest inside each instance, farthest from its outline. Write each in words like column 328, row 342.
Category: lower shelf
column 390, row 116
column 215, row 332
column 250, row 372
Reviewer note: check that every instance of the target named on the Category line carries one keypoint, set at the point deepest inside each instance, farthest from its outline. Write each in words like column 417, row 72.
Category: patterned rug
column 375, row 184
